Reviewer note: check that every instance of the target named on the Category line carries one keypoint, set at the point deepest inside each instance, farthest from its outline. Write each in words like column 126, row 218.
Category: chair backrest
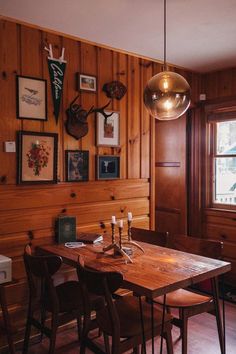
column 103, row 284
column 149, row 236
column 194, row 245
column 39, row 270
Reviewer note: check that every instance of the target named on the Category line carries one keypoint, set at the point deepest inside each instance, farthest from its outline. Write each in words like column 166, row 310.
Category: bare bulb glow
column 167, row 95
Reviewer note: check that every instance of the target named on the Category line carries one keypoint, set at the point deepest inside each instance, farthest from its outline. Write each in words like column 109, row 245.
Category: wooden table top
column 156, row 272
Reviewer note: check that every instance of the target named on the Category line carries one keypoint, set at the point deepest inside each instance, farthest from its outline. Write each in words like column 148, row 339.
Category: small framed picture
column 37, row 157
column 108, row 129
column 77, row 165
column 108, row 167
column 87, row 82
column 31, row 98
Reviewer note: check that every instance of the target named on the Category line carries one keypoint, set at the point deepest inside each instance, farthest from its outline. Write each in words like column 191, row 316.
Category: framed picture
column 108, row 129
column 77, row 165
column 108, row 167
column 87, row 82
column 31, row 98
column 37, row 157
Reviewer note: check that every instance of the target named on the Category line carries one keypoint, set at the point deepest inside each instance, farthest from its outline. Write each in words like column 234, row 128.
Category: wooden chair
column 119, row 319
column 149, row 236
column 190, row 303
column 6, row 327
column 63, row 302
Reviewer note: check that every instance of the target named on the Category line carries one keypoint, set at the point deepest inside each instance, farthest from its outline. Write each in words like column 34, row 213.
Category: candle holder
column 130, row 241
column 117, row 249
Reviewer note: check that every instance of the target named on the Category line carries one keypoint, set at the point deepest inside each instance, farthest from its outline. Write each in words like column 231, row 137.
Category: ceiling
column 201, row 34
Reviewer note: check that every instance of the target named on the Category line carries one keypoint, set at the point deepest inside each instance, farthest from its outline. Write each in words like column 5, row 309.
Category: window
column 223, row 163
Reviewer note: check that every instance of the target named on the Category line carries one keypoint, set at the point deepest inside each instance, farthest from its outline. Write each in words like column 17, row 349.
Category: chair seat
column 183, row 298
column 70, row 298
column 129, row 316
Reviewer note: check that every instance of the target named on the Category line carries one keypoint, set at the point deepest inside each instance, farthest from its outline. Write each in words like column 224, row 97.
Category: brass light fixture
column 167, row 94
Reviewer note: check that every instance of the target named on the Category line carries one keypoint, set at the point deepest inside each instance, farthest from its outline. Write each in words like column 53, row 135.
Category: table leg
column 6, row 320
column 163, row 323
column 142, row 323
column 221, row 331
column 152, row 318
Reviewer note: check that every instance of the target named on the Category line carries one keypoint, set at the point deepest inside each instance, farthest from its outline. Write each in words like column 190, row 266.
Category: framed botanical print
column 37, row 157
column 31, row 98
column 77, row 165
column 108, row 129
column 108, row 167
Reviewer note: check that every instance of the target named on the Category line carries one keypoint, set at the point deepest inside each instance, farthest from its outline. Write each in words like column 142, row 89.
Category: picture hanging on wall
column 77, row 165
column 108, row 129
column 37, row 157
column 108, row 167
column 86, row 82
column 31, row 98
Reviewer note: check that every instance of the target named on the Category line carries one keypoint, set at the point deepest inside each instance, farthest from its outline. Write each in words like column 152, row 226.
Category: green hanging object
column 56, row 69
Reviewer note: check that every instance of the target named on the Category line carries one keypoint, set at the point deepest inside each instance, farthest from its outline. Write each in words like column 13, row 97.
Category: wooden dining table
column 155, row 272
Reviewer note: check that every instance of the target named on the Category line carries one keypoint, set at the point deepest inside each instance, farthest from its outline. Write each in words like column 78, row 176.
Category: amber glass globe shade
column 167, row 95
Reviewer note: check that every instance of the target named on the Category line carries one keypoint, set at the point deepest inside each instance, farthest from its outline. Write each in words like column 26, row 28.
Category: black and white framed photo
column 77, row 165
column 31, row 98
column 108, row 167
column 87, row 82
column 108, row 129
column 37, row 157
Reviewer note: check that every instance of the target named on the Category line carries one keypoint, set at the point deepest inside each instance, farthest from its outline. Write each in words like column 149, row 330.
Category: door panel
column 170, row 176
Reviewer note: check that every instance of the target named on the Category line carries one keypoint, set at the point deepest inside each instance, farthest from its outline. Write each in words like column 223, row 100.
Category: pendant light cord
column 164, row 35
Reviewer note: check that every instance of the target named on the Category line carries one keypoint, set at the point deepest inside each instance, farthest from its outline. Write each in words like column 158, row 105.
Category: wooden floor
column 202, row 337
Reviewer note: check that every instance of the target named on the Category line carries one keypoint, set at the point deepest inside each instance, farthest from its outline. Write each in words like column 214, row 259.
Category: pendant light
column 167, row 94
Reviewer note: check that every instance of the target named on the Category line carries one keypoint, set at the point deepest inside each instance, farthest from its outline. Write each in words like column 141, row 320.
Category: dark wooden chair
column 6, row 327
column 149, row 236
column 120, row 319
column 190, row 303
column 63, row 302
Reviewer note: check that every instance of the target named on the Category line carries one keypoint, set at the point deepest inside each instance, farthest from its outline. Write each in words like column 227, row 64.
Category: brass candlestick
column 130, row 241
column 117, row 248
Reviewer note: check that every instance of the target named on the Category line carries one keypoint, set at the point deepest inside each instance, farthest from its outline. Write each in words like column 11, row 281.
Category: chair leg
column 6, row 320
column 53, row 335
column 106, row 342
column 184, row 330
column 27, row 336
column 79, row 327
column 217, row 314
column 169, row 343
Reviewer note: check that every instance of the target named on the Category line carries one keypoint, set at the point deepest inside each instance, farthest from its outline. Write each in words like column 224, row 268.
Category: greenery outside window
column 223, row 163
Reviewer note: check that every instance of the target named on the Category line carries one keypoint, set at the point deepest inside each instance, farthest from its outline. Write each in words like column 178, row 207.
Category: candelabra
column 117, row 248
column 130, row 241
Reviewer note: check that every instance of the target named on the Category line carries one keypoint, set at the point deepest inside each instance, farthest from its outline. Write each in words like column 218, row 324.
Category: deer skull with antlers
column 76, row 123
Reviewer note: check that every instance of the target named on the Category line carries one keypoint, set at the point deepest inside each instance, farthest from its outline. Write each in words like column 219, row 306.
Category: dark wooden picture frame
column 36, row 157
column 86, row 82
column 77, row 165
column 31, row 97
column 108, row 167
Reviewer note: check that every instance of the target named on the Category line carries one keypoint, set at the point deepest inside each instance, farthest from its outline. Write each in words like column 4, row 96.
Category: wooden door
column 170, row 176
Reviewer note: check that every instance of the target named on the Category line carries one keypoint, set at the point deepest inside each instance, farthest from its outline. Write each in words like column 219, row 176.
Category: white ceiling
column 201, row 34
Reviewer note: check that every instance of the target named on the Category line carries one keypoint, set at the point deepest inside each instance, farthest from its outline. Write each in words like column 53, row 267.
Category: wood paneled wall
column 29, row 212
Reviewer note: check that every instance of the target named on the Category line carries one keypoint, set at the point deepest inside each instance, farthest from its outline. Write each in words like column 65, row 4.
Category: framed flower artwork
column 37, row 157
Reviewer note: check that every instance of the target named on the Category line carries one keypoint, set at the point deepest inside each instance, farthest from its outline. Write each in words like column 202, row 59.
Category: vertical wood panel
column 72, row 56
column 9, row 63
column 31, row 47
column 89, row 66
column 134, row 125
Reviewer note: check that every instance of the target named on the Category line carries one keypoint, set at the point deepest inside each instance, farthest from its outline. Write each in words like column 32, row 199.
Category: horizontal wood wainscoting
column 221, row 225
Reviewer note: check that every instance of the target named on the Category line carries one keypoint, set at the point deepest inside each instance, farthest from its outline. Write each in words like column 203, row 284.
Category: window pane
column 226, row 138
column 225, row 180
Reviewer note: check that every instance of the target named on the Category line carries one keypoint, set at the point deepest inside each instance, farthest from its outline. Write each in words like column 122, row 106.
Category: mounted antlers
column 76, row 123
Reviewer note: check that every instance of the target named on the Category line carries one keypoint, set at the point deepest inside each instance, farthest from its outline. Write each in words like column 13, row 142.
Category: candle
column 130, row 216
column 36, row 142
column 113, row 219
column 121, row 223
